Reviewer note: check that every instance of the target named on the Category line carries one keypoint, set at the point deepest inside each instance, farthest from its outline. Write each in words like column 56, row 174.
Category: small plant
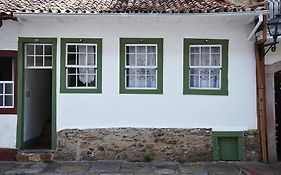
column 146, row 158
column 48, row 161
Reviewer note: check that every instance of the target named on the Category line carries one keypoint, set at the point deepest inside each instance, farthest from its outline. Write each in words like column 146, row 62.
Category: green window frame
column 223, row 75
column 158, row 43
column 216, row 135
column 97, row 42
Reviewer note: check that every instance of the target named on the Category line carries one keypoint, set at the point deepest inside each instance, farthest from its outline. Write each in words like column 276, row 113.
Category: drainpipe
column 4, row 16
column 256, row 27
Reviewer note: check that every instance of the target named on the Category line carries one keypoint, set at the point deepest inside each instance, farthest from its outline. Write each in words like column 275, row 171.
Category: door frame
column 270, row 70
column 20, row 122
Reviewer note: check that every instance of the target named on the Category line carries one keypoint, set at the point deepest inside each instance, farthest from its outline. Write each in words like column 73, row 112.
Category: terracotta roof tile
column 121, row 6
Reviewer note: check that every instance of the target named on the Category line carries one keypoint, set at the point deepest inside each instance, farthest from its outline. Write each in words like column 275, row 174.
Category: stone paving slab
column 5, row 166
column 105, row 167
column 189, row 168
column 139, row 168
column 223, row 169
column 27, row 168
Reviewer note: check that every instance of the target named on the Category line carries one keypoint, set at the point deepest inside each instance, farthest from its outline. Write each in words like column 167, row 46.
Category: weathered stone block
column 252, row 149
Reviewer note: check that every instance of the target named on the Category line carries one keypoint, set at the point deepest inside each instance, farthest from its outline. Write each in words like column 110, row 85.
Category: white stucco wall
column 237, row 111
column 8, row 126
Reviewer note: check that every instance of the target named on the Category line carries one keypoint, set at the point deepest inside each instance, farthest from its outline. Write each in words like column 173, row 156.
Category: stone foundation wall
column 252, row 149
column 144, row 144
column 135, row 144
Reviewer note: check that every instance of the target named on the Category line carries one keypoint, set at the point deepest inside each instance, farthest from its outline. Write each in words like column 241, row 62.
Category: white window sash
column 80, row 67
column 34, row 56
column 205, row 67
column 4, row 94
column 142, row 67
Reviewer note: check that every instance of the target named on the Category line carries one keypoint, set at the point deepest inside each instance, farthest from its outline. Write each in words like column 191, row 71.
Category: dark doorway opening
column 277, row 86
column 37, row 108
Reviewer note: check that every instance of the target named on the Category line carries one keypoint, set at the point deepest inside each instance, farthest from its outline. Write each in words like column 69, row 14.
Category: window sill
column 205, row 92
column 141, row 91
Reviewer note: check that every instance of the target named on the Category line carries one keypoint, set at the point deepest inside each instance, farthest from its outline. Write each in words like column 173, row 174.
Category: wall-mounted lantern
column 274, row 28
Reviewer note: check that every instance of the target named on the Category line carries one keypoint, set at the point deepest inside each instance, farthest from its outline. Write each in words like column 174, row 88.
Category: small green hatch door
column 228, row 148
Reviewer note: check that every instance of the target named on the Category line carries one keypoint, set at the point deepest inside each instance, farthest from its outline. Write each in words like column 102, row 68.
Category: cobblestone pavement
column 151, row 168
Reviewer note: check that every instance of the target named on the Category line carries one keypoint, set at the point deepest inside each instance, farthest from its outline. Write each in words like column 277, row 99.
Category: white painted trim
column 241, row 13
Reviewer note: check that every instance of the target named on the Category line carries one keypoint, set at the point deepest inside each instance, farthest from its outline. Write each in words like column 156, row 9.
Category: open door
column 37, row 101
column 277, row 84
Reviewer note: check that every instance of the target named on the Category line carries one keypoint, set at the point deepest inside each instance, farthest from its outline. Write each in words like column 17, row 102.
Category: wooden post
column 261, row 109
column 260, row 73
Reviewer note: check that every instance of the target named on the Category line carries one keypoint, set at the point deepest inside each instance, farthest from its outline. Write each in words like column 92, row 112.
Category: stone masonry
column 135, row 144
column 144, row 144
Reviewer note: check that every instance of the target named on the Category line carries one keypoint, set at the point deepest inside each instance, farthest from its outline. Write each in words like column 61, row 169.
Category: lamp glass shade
column 274, row 26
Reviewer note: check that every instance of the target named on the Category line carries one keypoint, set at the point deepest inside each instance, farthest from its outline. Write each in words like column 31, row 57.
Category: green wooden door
column 228, row 148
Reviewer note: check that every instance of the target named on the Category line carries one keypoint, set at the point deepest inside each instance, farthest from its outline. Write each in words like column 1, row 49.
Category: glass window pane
column 194, row 59
column 151, row 72
column 48, row 50
column 215, row 50
column 71, row 71
column 71, row 59
column 141, row 49
column 151, row 81
column 91, row 49
column 82, row 59
column 39, row 49
column 71, row 48
column 194, row 81
column 140, row 81
column 91, row 71
column 205, row 50
column 39, row 61
column 1, row 88
column 81, row 48
column 71, row 81
column 205, row 60
column 215, row 60
column 204, row 78
column 141, row 60
column 151, row 49
column 91, row 59
column 92, row 80
column 130, row 81
column 48, row 61
column 1, row 100
column 140, row 71
column 30, row 61
column 131, row 71
column 215, row 78
column 30, row 49
column 82, row 80
column 194, row 49
column 130, row 60
column 82, row 70
column 194, row 71
column 8, row 88
column 130, row 49
column 151, row 59
column 8, row 100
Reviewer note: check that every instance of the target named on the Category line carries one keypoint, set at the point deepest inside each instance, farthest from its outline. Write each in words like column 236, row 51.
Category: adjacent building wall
column 8, row 123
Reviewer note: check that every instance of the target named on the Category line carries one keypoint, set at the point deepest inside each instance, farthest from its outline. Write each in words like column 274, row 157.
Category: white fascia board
column 244, row 13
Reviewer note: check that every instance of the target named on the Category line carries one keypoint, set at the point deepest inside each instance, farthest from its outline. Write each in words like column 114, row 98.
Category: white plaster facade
column 172, row 109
